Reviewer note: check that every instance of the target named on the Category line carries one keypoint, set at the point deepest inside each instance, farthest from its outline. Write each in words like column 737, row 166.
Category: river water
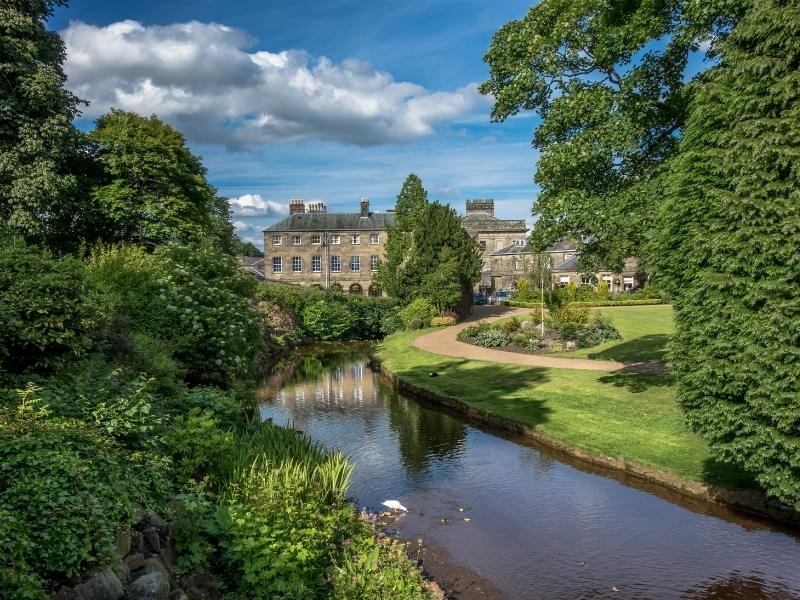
column 539, row 525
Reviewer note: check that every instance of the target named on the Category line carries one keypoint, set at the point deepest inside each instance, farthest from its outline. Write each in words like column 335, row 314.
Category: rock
column 155, row 520
column 155, row 565
column 153, row 586
column 123, row 538
column 104, row 585
column 153, row 543
column 200, row 587
column 178, row 595
column 134, row 562
column 122, row 571
column 168, row 556
column 571, row 345
column 137, row 542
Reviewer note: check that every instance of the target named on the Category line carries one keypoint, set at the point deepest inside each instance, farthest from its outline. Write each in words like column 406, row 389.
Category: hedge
column 644, row 302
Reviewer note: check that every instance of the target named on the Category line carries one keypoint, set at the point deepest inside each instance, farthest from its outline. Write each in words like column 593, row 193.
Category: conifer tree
column 729, row 248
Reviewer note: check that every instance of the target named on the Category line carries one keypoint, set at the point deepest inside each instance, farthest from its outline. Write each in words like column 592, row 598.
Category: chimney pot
column 364, row 207
column 296, row 207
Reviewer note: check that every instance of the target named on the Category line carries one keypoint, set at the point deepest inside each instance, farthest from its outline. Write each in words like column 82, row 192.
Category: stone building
column 314, row 247
column 492, row 234
column 513, row 262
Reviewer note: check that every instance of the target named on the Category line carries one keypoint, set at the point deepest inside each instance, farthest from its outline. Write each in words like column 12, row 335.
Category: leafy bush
column 197, row 443
column 602, row 291
column 17, row 578
column 415, row 324
column 555, row 298
column 622, row 302
column 522, row 304
column 491, row 338
column 442, row 321
column 226, row 408
column 510, row 326
column 585, row 293
column 600, row 329
column 70, row 485
column 368, row 316
column 47, row 309
column 419, row 308
column 326, row 320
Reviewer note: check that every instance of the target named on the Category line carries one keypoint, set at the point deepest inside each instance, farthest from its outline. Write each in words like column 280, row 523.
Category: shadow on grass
column 635, row 380
column 497, row 389
column 647, row 348
column 720, row 474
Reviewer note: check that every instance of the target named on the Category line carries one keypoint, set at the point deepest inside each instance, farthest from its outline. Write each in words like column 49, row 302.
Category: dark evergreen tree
column 729, row 249
column 410, row 201
column 43, row 161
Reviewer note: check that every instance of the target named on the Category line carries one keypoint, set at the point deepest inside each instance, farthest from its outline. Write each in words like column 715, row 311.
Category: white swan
column 394, row 505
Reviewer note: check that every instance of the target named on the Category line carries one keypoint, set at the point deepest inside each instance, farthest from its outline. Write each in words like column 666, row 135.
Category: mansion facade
column 313, row 247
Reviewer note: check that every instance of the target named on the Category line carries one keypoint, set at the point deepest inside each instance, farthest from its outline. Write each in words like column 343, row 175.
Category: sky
column 324, row 100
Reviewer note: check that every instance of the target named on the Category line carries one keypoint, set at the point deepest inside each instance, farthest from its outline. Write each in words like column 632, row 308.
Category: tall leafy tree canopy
column 428, row 253
column 43, row 163
column 607, row 80
column 729, row 249
column 154, row 190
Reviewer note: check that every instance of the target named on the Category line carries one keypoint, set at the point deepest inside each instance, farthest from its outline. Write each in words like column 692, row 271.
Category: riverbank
column 623, row 420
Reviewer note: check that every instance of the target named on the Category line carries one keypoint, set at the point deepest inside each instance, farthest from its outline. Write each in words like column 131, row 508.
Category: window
column 374, row 238
column 563, row 280
column 355, row 239
column 355, row 263
column 277, row 240
column 517, row 264
column 627, row 283
column 568, row 256
column 316, row 238
column 519, row 242
column 297, row 264
column 336, row 264
column 295, row 240
column 483, row 246
column 586, row 279
column 277, row 264
column 316, row 264
column 373, row 263
column 336, row 239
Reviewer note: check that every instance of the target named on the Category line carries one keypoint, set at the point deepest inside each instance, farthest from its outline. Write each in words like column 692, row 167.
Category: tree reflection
column 423, row 433
column 738, row 585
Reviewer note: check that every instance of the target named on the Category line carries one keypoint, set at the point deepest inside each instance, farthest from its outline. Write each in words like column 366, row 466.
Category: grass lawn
column 629, row 415
column 645, row 332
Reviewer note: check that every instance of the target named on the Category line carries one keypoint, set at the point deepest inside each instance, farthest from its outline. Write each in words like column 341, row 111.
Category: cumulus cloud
column 250, row 232
column 200, row 77
column 253, row 205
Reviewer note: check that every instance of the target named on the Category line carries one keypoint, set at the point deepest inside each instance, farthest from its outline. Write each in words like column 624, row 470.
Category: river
column 501, row 518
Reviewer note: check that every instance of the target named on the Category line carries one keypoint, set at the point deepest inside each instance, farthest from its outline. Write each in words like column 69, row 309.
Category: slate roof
column 376, row 221
column 571, row 265
column 512, row 249
column 562, row 246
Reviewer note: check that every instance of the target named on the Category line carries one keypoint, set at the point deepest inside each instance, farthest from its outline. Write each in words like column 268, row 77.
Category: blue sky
column 378, row 90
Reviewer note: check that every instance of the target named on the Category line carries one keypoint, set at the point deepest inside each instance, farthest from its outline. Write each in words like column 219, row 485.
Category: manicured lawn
column 645, row 332
column 629, row 415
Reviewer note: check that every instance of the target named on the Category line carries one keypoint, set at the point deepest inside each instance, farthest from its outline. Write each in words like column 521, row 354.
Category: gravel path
column 444, row 341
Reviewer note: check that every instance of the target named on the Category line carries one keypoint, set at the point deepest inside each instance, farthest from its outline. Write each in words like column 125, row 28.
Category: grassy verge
column 630, row 415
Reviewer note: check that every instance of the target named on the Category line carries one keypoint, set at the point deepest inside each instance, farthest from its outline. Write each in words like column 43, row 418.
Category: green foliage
column 602, row 291
column 730, row 252
column 324, row 320
column 568, row 320
column 43, row 163
column 621, row 302
column 608, row 81
column 227, row 409
column 153, row 189
column 598, row 330
column 197, row 443
column 570, row 292
column 86, row 483
column 428, row 253
column 415, row 324
column 246, row 248
column 17, row 578
column 492, row 338
column 419, row 308
column 555, row 298
column 190, row 525
column 511, row 325
column 47, row 310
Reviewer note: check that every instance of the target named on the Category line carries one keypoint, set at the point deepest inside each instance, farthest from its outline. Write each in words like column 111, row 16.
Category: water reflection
column 538, row 527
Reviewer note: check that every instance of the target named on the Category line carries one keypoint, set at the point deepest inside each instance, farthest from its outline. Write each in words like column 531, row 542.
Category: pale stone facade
column 314, row 247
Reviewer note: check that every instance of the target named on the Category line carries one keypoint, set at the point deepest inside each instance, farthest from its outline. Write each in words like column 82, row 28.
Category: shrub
column 419, row 308
column 442, row 321
column 197, row 443
column 585, row 293
column 18, row 580
column 327, row 320
column 491, row 338
column 391, row 322
column 470, row 332
column 226, row 408
column 510, row 326
column 555, row 298
column 47, row 308
column 623, row 302
column 602, row 291
column 368, row 315
column 415, row 324
column 600, row 329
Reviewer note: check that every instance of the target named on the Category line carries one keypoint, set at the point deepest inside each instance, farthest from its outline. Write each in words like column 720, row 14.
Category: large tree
column 428, row 253
column 154, row 190
column 607, row 81
column 43, row 162
column 729, row 248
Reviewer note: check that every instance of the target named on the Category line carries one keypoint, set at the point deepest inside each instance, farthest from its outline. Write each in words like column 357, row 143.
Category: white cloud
column 253, row 205
column 199, row 77
column 250, row 232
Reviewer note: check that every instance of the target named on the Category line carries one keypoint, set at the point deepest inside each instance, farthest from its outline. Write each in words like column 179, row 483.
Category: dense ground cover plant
column 443, row 321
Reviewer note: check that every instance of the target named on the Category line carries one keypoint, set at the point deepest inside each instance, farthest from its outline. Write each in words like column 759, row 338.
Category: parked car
column 478, row 299
column 499, row 297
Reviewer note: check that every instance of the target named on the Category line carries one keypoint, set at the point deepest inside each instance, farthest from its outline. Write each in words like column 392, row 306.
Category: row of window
column 316, row 239
column 316, row 264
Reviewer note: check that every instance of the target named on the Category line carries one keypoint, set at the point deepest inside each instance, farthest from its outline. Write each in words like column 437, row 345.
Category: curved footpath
column 445, row 342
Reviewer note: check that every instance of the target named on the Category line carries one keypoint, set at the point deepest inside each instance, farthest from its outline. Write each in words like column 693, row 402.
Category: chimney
column 485, row 207
column 317, row 208
column 296, row 207
column 364, row 207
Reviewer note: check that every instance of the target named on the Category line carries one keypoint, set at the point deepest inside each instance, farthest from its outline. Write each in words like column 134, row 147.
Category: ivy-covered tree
column 43, row 161
column 608, row 81
column 154, row 190
column 729, row 250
